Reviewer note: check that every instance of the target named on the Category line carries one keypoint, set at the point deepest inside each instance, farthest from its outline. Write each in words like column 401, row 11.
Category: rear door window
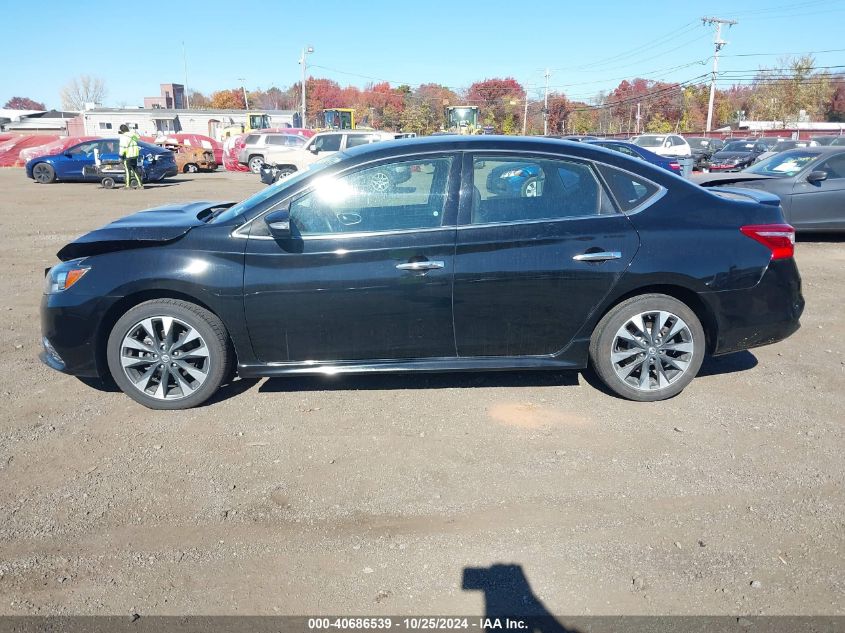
column 523, row 189
column 353, row 140
column 328, row 143
column 629, row 190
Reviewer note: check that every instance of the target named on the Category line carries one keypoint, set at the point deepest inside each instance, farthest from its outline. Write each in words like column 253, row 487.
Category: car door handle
column 598, row 257
column 419, row 266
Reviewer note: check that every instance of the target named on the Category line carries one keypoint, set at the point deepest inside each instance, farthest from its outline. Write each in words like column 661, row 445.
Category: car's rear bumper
column 767, row 313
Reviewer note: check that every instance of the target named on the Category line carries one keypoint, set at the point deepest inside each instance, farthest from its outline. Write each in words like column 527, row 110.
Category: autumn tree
column 836, row 105
column 81, row 90
column 558, row 111
column 782, row 94
column 198, row 100
column 24, row 103
column 231, row 99
column 498, row 100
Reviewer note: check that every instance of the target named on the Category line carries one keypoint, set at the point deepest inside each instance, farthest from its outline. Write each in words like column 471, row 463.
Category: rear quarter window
column 629, row 190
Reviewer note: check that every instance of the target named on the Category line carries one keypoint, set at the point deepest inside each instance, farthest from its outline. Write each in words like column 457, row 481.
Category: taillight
column 778, row 238
column 675, row 166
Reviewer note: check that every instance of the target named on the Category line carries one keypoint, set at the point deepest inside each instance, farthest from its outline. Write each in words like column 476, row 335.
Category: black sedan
column 737, row 155
column 613, row 263
column 809, row 181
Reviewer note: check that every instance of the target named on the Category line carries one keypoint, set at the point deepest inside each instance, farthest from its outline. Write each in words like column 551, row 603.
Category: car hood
column 716, row 179
column 150, row 227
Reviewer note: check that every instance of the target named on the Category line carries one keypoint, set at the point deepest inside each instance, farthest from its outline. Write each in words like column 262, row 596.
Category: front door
column 820, row 205
column 367, row 272
column 540, row 244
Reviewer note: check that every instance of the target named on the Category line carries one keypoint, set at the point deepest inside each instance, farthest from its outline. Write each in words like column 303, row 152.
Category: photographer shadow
column 508, row 596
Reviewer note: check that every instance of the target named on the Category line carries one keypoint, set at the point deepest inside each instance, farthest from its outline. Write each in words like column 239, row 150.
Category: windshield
column 739, row 146
column 276, row 187
column 783, row 165
column 703, row 143
column 650, row 141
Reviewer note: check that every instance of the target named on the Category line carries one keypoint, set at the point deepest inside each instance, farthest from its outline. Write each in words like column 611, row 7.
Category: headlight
column 62, row 276
column 513, row 173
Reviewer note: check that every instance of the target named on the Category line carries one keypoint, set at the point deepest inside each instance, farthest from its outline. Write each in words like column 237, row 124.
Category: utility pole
column 546, row 106
column 525, row 113
column 243, row 88
column 185, row 62
column 638, row 117
column 305, row 51
column 718, row 42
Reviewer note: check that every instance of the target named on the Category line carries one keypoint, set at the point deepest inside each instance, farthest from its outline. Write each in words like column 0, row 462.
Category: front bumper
column 767, row 313
column 69, row 325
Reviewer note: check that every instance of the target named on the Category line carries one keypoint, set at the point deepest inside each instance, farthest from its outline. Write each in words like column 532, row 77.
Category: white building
column 106, row 121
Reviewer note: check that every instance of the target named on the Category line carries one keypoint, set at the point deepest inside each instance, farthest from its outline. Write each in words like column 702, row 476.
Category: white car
column 285, row 161
column 664, row 144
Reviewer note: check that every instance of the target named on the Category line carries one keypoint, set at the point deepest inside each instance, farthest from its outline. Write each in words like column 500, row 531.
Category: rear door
column 820, row 205
column 540, row 244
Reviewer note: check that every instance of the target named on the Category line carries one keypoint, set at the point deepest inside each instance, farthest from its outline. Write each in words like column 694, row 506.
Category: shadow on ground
column 508, row 595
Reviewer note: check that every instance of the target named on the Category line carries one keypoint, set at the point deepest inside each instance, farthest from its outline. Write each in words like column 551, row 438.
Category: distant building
column 172, row 98
column 38, row 122
column 149, row 122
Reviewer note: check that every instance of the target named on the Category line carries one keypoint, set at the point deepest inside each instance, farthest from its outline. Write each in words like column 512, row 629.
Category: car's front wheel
column 169, row 354
column 255, row 163
column 648, row 348
column 43, row 173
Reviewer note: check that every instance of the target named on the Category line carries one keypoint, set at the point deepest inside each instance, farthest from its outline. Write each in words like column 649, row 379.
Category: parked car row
column 280, row 159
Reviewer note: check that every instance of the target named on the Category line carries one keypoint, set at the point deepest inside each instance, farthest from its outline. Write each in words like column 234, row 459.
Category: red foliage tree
column 499, row 100
column 24, row 103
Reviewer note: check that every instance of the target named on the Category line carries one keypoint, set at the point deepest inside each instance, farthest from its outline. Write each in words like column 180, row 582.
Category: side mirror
column 314, row 149
column 816, row 176
column 279, row 223
column 68, row 155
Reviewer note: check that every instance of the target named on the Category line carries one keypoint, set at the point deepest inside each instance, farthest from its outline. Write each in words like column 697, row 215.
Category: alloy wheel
column 42, row 173
column 652, row 350
column 165, row 358
column 379, row 182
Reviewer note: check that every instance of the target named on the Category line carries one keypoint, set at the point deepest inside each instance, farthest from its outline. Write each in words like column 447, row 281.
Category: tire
column 200, row 359
column 107, row 182
column 43, row 173
column 190, row 168
column 212, row 166
column 619, row 356
column 284, row 172
column 531, row 188
column 255, row 163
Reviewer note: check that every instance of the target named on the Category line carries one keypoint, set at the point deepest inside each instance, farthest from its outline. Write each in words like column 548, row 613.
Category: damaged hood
column 150, row 227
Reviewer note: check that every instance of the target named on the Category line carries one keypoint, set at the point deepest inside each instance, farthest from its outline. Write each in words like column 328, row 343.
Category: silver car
column 259, row 144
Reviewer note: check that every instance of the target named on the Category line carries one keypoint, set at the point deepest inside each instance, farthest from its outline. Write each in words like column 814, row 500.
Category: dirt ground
column 414, row 494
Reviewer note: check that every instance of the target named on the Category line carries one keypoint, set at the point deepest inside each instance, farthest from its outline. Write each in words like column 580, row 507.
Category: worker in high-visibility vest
column 129, row 151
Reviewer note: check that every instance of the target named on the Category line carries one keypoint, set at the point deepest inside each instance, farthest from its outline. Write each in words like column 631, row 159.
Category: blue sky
column 589, row 46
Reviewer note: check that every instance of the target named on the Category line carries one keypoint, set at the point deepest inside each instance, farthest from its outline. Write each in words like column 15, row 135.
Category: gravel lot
column 414, row 494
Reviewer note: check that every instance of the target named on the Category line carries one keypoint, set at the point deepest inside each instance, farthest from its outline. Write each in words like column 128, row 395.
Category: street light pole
column 305, row 51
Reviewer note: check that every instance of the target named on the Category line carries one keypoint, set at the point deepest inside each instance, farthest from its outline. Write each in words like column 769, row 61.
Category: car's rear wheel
column 43, row 173
column 648, row 348
column 169, row 354
column 190, row 168
column 255, row 163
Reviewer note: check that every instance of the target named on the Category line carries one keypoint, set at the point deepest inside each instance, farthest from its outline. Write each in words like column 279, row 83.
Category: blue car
column 156, row 163
column 635, row 151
